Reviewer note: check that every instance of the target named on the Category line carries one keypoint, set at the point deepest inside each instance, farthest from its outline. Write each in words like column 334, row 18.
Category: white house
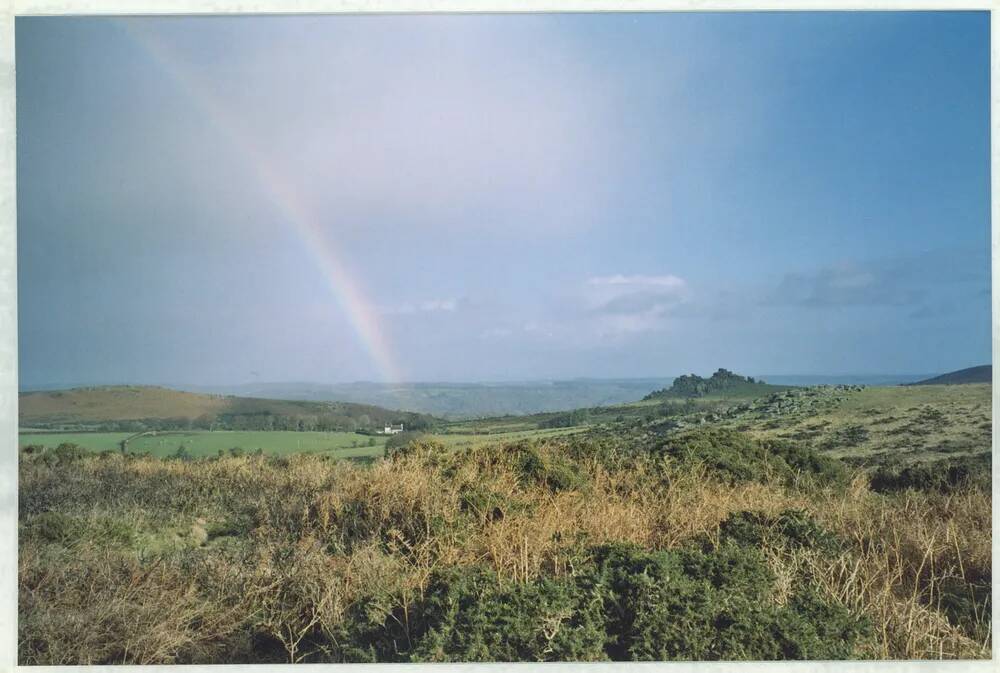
column 393, row 429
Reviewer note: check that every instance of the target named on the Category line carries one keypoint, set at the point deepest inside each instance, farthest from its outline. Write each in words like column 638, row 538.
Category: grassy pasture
column 92, row 441
column 208, row 443
column 461, row 440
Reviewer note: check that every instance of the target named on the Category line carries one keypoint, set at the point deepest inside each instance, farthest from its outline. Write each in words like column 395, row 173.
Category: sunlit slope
column 120, row 403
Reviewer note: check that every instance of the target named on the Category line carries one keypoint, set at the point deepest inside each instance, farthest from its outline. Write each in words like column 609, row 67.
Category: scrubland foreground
column 624, row 544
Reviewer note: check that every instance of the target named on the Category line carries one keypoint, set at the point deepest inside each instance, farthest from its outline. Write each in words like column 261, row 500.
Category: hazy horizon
column 498, row 198
column 770, row 378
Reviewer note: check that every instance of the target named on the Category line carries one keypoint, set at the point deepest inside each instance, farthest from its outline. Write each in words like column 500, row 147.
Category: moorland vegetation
column 650, row 537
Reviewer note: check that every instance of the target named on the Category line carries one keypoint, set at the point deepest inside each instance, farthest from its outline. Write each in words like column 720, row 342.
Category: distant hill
column 723, row 383
column 980, row 374
column 805, row 380
column 461, row 400
column 136, row 408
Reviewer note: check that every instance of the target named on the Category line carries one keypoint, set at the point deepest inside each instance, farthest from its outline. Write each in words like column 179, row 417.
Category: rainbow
column 285, row 199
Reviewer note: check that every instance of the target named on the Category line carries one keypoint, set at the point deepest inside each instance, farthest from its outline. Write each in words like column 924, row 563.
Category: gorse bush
column 945, row 476
column 624, row 604
column 554, row 471
column 468, row 615
column 737, row 457
column 401, row 442
column 791, row 528
column 691, row 604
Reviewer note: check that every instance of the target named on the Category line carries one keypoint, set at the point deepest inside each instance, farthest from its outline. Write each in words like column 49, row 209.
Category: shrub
column 468, row 615
column 417, row 445
column 943, row 475
column 792, row 528
column 68, row 452
column 400, row 440
column 555, row 471
column 968, row 604
column 805, row 462
column 624, row 604
column 482, row 501
column 737, row 457
column 694, row 604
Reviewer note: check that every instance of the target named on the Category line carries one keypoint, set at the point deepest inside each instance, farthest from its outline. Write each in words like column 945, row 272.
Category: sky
column 221, row 200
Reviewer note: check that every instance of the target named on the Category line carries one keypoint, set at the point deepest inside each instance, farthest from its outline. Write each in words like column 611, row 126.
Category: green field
column 209, row 443
column 462, row 440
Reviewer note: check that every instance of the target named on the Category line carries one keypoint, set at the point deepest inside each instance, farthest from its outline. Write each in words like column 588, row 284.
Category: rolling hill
column 460, row 400
column 153, row 407
column 980, row 374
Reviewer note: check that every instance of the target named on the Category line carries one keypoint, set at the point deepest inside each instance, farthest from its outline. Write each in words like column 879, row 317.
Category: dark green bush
column 738, row 457
column 623, row 604
column 469, row 616
column 68, row 452
column 968, row 603
column 792, row 528
column 942, row 475
column 695, row 604
column 802, row 461
column 558, row 472
column 482, row 502
column 399, row 441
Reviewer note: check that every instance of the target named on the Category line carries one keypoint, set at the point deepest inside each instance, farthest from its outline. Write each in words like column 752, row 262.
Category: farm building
column 393, row 429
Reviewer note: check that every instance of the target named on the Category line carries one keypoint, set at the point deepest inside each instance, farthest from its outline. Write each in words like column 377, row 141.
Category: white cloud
column 439, row 305
column 654, row 281
column 626, row 304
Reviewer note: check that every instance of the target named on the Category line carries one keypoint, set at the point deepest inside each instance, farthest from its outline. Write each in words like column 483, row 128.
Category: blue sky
column 507, row 197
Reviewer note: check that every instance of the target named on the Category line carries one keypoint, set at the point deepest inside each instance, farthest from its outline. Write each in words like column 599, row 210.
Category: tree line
column 252, row 421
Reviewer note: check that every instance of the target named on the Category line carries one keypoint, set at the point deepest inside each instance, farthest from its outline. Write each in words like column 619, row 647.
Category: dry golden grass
column 903, row 550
